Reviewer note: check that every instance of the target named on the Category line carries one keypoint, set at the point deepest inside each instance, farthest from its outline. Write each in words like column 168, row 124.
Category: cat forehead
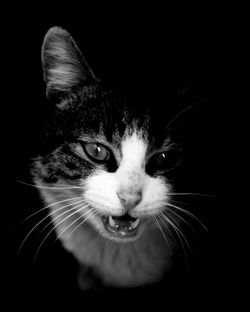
column 133, row 149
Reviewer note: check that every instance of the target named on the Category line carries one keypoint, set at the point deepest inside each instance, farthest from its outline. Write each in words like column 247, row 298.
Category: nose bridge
column 131, row 170
column 130, row 181
column 130, row 187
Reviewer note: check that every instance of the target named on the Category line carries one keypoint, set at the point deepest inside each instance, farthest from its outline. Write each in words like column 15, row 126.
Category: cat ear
column 64, row 67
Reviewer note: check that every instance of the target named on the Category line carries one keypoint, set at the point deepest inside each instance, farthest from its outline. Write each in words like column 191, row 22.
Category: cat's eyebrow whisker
column 185, row 89
column 188, row 213
column 50, row 214
column 160, row 228
column 54, row 227
column 54, row 204
column 183, row 111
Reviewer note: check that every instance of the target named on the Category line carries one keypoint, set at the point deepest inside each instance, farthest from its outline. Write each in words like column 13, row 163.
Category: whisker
column 176, row 228
column 178, row 202
column 179, row 234
column 95, row 190
column 192, row 194
column 59, row 187
column 188, row 213
column 65, row 212
column 51, row 205
column 166, row 240
column 185, row 221
column 92, row 212
column 54, row 227
column 47, row 216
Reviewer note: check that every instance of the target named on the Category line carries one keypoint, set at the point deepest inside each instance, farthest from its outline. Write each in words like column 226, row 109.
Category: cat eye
column 160, row 160
column 163, row 161
column 97, row 152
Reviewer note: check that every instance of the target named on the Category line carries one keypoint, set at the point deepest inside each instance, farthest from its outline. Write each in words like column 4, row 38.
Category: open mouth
column 123, row 226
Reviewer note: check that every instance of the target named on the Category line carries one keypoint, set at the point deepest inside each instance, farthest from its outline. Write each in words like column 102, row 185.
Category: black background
column 138, row 52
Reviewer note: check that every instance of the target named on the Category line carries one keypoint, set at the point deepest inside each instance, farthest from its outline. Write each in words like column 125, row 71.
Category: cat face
column 128, row 197
column 111, row 155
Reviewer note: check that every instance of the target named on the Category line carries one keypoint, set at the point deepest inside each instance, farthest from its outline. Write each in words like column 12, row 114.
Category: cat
column 104, row 173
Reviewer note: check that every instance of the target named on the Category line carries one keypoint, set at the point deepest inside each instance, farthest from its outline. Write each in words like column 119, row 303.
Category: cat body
column 103, row 173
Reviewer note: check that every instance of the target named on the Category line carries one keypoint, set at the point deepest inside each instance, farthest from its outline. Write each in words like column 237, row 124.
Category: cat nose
column 129, row 199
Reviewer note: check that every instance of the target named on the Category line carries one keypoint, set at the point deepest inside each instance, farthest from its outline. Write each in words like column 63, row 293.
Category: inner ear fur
column 64, row 67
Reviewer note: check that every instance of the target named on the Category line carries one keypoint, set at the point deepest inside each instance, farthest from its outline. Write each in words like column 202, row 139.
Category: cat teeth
column 115, row 225
column 111, row 222
column 135, row 224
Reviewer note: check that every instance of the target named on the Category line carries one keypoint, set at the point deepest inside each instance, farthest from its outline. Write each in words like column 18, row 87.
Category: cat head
column 111, row 152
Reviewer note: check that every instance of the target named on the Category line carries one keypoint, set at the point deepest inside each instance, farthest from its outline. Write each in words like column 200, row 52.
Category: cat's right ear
column 64, row 68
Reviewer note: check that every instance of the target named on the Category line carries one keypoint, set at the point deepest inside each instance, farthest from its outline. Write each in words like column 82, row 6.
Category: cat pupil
column 97, row 150
column 162, row 156
column 160, row 160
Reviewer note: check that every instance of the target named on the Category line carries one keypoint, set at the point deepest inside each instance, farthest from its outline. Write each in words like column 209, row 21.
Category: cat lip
column 124, row 226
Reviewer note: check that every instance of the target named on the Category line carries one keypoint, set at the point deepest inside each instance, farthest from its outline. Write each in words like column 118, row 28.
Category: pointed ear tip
column 56, row 30
column 53, row 32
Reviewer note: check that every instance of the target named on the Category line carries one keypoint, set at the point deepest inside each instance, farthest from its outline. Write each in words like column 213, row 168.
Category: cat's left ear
column 64, row 68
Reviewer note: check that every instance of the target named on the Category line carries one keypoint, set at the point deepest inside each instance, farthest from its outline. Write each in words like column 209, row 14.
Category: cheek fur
column 155, row 189
column 155, row 196
column 101, row 192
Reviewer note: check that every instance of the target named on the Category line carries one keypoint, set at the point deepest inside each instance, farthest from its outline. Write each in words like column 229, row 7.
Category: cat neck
column 125, row 264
